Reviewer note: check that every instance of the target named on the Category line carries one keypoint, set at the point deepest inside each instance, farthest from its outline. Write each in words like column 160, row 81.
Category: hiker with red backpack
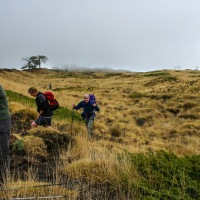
column 89, row 106
column 43, row 108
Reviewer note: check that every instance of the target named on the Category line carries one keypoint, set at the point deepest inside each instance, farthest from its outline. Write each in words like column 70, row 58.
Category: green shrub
column 65, row 113
column 18, row 145
column 163, row 175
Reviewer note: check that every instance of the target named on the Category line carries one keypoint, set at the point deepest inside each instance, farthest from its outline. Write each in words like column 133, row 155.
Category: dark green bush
column 65, row 113
column 18, row 147
column 163, row 175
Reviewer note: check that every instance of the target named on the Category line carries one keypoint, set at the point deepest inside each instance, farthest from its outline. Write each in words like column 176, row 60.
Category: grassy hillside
column 146, row 111
column 146, row 143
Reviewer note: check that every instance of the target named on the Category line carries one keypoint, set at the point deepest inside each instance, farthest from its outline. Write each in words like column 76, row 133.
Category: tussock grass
column 53, row 139
column 28, row 189
column 141, row 114
column 35, row 146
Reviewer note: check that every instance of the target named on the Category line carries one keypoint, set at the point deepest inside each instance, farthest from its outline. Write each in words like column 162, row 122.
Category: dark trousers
column 5, row 127
column 89, row 121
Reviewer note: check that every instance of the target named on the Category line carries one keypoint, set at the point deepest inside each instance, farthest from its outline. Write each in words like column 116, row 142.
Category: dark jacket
column 4, row 111
column 43, row 104
column 87, row 107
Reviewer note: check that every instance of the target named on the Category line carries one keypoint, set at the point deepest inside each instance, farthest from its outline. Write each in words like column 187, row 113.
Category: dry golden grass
column 97, row 163
column 148, row 107
column 34, row 147
column 140, row 112
column 33, row 189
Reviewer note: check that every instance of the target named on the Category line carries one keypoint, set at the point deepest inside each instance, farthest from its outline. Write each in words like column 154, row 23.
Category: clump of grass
column 34, row 147
column 141, row 121
column 188, row 116
column 190, row 129
column 16, row 106
column 30, row 146
column 116, row 131
column 109, row 120
column 161, row 79
column 52, row 138
column 173, row 110
column 90, row 171
column 21, row 120
column 18, row 146
column 189, row 105
column 137, row 95
column 34, row 189
column 146, row 116
column 162, row 96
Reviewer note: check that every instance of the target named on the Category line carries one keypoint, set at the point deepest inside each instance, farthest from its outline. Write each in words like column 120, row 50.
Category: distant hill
column 82, row 69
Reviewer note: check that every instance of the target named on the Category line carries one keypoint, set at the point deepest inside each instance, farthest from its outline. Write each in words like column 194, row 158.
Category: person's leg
column 86, row 123
column 36, row 123
column 41, row 121
column 4, row 149
column 47, row 122
column 90, row 126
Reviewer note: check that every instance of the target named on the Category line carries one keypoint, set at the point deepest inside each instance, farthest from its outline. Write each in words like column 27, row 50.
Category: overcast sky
column 139, row 35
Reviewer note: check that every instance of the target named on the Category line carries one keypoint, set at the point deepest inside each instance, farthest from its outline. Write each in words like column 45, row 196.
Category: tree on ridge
column 34, row 61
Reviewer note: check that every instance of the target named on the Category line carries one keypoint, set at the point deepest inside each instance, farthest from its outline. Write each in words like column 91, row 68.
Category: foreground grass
column 123, row 175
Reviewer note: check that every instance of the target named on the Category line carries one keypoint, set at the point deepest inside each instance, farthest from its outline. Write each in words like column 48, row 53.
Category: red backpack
column 52, row 101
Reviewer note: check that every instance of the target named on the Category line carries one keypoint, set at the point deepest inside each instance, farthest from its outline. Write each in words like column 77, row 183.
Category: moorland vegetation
column 146, row 139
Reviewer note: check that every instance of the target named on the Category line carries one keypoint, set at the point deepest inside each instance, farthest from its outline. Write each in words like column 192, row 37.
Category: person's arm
column 2, row 92
column 80, row 105
column 96, row 107
column 43, row 103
